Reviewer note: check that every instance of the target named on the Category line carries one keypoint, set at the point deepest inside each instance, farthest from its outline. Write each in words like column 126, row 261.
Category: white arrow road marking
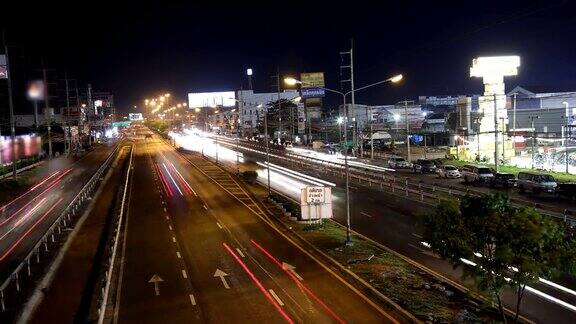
column 276, row 297
column 291, row 268
column 156, row 280
column 222, row 274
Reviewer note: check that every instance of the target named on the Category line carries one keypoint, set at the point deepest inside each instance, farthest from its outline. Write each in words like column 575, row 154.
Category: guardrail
column 394, row 183
column 61, row 221
column 103, row 300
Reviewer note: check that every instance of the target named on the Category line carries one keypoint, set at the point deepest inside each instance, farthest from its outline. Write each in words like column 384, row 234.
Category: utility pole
column 533, row 136
column 407, row 131
column 371, row 135
column 67, row 128
column 565, row 140
column 496, row 134
column 11, row 106
column 514, row 123
column 279, row 108
column 47, row 112
column 91, row 109
column 267, row 148
column 351, row 80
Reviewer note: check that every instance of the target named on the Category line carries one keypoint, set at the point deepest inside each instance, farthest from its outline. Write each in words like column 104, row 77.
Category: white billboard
column 135, row 116
column 212, row 99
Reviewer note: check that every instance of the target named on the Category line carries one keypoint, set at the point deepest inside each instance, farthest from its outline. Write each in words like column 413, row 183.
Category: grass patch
column 411, row 288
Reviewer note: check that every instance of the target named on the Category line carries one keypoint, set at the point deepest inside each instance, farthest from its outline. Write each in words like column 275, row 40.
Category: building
column 225, row 119
column 546, row 109
column 384, row 116
column 248, row 107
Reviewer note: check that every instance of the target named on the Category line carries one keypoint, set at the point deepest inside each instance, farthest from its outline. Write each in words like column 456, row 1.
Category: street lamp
column 292, row 81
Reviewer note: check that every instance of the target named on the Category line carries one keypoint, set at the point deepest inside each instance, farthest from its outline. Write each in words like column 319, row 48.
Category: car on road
column 477, row 174
column 448, row 171
column 504, row 180
column 536, row 183
column 398, row 163
column 424, row 166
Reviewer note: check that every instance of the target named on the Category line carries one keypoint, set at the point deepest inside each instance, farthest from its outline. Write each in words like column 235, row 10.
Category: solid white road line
column 192, row 300
column 240, row 252
column 276, row 297
column 184, row 274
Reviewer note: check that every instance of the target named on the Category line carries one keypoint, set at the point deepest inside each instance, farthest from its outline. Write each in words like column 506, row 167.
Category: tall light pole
column 394, row 79
column 564, row 139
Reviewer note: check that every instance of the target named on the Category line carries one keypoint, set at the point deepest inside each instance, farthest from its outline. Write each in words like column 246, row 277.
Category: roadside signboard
column 316, row 203
column 301, row 118
column 121, row 124
column 307, row 93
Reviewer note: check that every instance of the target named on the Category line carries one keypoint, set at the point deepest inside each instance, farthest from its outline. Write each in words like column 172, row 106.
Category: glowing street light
column 395, row 79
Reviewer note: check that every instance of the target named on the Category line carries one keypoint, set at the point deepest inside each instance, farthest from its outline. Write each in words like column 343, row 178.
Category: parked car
column 423, row 165
column 448, row 171
column 536, row 183
column 474, row 173
column 398, row 163
column 504, row 180
column 566, row 190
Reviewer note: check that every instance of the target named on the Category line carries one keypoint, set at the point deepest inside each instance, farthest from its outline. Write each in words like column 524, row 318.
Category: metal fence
column 425, row 192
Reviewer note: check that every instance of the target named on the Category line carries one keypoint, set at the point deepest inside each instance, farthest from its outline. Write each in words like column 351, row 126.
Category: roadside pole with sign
column 316, row 203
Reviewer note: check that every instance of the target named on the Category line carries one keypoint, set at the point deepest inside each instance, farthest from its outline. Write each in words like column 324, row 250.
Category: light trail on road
column 15, row 244
column 29, row 190
column 299, row 283
column 259, row 284
column 50, row 186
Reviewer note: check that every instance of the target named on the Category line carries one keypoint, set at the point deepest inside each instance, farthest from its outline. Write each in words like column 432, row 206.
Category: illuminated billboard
column 212, row 99
column 135, row 116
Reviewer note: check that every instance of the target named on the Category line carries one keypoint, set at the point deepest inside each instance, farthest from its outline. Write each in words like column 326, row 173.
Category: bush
column 249, row 176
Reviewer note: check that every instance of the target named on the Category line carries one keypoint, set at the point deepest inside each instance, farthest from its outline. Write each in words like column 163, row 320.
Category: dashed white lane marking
column 163, row 202
column 178, row 255
column 240, row 252
column 276, row 297
column 173, row 239
column 184, row 274
column 192, row 300
column 167, row 217
column 165, row 210
column 205, row 207
column 418, row 236
column 170, row 227
column 219, row 225
column 365, row 214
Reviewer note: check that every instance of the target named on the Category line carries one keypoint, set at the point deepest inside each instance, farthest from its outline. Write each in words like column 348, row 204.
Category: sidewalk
column 68, row 298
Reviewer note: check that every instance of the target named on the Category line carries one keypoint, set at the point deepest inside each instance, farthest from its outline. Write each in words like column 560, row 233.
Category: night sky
column 150, row 48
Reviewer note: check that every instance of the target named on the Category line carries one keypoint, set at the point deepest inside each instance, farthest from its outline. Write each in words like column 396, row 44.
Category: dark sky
column 148, row 48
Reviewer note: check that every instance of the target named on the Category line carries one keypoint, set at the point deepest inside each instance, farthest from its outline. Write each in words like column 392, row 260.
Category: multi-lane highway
column 392, row 221
column 24, row 219
column 195, row 252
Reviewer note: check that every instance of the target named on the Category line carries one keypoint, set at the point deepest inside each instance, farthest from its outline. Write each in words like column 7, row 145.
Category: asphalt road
column 218, row 261
column 392, row 221
column 24, row 220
